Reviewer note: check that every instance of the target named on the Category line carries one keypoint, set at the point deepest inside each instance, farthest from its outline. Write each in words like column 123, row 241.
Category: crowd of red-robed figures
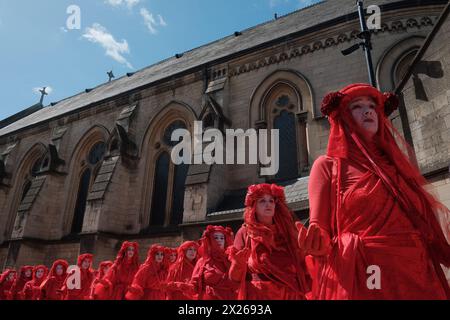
column 196, row 270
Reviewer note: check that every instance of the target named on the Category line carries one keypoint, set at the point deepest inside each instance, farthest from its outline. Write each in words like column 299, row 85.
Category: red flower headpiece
column 257, row 191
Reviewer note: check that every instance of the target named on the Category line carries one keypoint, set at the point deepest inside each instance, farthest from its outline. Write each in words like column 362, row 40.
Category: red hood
column 81, row 257
column 122, row 254
column 62, row 262
column 101, row 268
column 36, row 268
column 151, row 253
column 22, row 271
column 5, row 275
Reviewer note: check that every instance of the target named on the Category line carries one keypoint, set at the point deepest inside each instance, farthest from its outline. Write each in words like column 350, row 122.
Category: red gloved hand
column 314, row 241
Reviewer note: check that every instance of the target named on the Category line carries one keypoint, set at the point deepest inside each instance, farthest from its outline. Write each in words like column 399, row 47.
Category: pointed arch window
column 89, row 169
column 282, row 106
column 169, row 180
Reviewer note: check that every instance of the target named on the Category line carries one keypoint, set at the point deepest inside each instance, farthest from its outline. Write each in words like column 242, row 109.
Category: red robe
column 50, row 288
column 6, row 284
column 373, row 230
column 19, row 283
column 383, row 223
column 210, row 276
column 99, row 277
column 181, row 272
column 31, row 290
column 87, row 276
column 149, row 282
column 120, row 276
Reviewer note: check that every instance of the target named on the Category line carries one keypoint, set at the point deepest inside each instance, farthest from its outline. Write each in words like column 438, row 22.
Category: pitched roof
column 295, row 22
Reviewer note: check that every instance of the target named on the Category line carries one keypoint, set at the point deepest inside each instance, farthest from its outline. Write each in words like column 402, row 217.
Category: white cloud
column 161, row 21
column 114, row 49
column 48, row 89
column 151, row 22
column 129, row 3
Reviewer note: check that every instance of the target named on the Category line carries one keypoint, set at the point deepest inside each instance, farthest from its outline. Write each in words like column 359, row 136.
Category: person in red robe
column 150, row 281
column 50, row 289
column 101, row 272
column 31, row 290
column 375, row 231
column 266, row 259
column 180, row 272
column 84, row 264
column 210, row 280
column 25, row 275
column 7, row 279
column 170, row 256
column 116, row 282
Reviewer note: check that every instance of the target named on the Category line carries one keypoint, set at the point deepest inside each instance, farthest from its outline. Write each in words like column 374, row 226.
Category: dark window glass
column 158, row 213
column 26, row 188
column 97, row 152
column 285, row 122
column 178, row 194
column 171, row 128
column 36, row 167
column 80, row 207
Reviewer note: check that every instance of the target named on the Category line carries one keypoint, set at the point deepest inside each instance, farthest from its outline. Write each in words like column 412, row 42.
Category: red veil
column 263, row 240
column 114, row 285
column 19, row 283
column 385, row 159
column 50, row 287
column 6, row 284
column 181, row 271
column 31, row 290
column 149, row 281
column 210, row 275
column 87, row 276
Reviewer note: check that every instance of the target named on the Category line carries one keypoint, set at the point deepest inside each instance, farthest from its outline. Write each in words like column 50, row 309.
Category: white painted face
column 159, row 257
column 130, row 252
column 39, row 273
column 86, row 264
column 28, row 273
column 265, row 208
column 59, row 270
column 219, row 237
column 363, row 110
column 173, row 257
column 191, row 253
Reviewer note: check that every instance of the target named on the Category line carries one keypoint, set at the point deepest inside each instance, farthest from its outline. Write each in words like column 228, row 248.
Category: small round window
column 97, row 152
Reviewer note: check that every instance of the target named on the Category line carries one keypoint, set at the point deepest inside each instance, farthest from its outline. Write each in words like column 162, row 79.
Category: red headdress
column 122, row 258
column 4, row 276
column 177, row 267
column 167, row 253
column 209, row 248
column 151, row 253
column 58, row 262
column 262, row 235
column 101, row 268
column 346, row 141
column 84, row 256
column 37, row 281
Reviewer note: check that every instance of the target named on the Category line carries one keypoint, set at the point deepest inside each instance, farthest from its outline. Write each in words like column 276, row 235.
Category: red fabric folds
column 375, row 205
column 50, row 289
column 180, row 273
column 7, row 279
column 86, row 278
column 31, row 290
column 19, row 283
column 210, row 276
column 116, row 282
column 275, row 269
column 150, row 280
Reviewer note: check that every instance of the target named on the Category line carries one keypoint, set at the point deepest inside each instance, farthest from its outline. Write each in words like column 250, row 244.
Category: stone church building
column 85, row 173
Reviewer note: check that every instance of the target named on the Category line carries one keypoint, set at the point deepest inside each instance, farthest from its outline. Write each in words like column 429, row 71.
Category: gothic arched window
column 169, row 179
column 90, row 167
column 159, row 200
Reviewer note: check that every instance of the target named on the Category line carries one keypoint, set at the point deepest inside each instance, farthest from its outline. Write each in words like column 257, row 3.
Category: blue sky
column 40, row 49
